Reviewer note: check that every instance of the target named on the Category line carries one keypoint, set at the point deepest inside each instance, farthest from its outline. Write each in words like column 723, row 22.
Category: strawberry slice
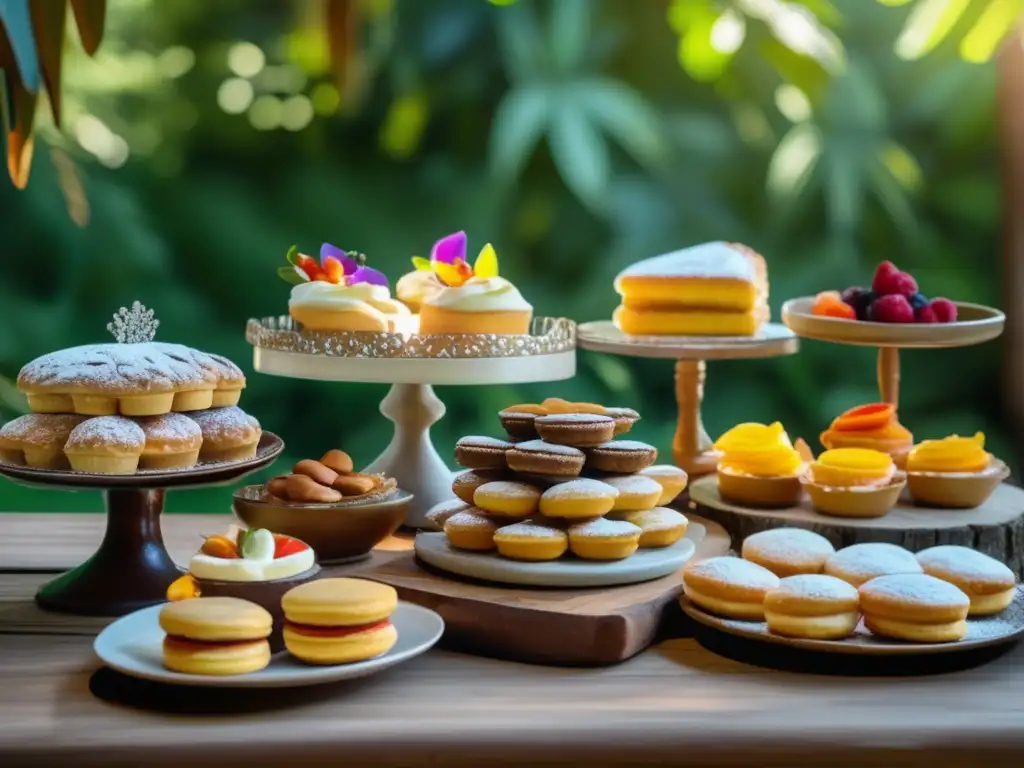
column 286, row 545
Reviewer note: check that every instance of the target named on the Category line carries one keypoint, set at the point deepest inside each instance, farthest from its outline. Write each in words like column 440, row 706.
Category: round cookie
column 604, row 539
column 788, row 551
column 989, row 584
column 215, row 636
column 465, row 483
column 621, row 457
column 109, row 445
column 479, row 452
column 575, row 428
column 660, row 527
column 439, row 513
column 471, row 529
column 229, row 434
column 505, row 498
column 581, row 498
column 636, row 492
column 537, row 457
column 814, row 606
column 625, row 418
column 729, row 586
column 862, row 562
column 37, row 439
column 672, row 479
column 915, row 607
column 531, row 541
column 173, row 441
column 518, row 421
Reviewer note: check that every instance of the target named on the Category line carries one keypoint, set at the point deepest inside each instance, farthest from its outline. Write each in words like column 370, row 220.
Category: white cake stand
column 692, row 447
column 411, row 404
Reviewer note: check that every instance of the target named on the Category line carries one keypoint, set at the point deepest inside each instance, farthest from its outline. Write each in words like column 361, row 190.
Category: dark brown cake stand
column 131, row 569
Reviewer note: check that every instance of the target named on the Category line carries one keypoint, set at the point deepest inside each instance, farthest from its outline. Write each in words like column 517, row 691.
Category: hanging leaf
column 627, row 116
column 341, row 23
column 19, row 117
column 580, row 154
column 17, row 22
column 90, row 16
column 518, row 124
column 524, row 56
column 49, row 21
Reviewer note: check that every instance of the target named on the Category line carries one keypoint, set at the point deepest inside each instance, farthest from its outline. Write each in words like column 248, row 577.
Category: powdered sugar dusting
column 43, row 429
column 658, row 519
column 634, row 485
column 816, row 586
column 965, row 563
column 866, row 561
column 733, row 570
column 603, row 526
column 916, row 587
column 623, row 446
column 531, row 530
column 225, row 424
column 440, row 513
column 107, row 432
column 480, row 441
column 507, row 488
column 662, row 470
column 707, row 260
column 469, row 519
column 575, row 418
column 541, row 446
column 172, row 427
column 788, row 544
column 622, row 413
column 582, row 488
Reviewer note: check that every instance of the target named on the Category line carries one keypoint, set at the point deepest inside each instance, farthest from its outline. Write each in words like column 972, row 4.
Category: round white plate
column 567, row 572
column 133, row 645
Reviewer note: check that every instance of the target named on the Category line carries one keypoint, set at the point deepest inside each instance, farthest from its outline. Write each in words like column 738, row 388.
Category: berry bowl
column 956, row 490
column 863, row 502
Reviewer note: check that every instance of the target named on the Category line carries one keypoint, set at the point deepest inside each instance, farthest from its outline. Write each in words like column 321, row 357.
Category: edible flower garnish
column 335, row 266
column 448, row 261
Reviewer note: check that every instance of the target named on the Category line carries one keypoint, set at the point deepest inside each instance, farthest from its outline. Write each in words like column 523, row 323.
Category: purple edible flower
column 448, row 249
column 368, row 275
column 348, row 264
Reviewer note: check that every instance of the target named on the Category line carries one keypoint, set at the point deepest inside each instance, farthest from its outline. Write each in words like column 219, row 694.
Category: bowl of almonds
column 340, row 513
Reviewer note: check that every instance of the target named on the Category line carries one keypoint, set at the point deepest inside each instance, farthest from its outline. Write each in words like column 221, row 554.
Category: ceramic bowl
column 956, row 490
column 855, row 502
column 336, row 532
column 759, row 492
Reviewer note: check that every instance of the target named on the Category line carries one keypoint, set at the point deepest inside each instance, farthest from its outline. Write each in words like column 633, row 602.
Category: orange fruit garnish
column 831, row 304
column 865, row 417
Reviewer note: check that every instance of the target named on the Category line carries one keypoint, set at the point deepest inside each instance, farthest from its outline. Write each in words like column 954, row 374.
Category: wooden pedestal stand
column 692, row 447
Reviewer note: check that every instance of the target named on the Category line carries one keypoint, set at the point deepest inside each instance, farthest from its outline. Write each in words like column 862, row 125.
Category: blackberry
column 860, row 299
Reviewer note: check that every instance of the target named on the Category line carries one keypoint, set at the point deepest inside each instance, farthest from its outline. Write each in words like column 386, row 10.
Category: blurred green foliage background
column 577, row 135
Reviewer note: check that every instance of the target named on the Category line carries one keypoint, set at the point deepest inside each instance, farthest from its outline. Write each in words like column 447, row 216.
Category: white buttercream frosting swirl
column 481, row 295
column 318, row 294
column 417, row 286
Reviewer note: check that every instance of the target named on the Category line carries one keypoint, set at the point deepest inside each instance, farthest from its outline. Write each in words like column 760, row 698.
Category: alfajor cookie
column 659, row 527
column 862, row 562
column 509, row 499
column 465, row 483
column 672, row 480
column 575, row 428
column 538, row 457
column 471, row 529
column 438, row 514
column 915, row 607
column 37, row 439
column 480, row 452
column 604, row 539
column 814, row 606
column 215, row 636
column 531, row 541
column 989, row 584
column 580, row 498
column 788, row 551
column 729, row 586
column 621, row 457
column 636, row 492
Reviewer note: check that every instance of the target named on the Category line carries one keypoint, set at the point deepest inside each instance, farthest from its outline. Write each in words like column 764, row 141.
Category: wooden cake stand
column 131, row 569
column 692, row 447
column 975, row 324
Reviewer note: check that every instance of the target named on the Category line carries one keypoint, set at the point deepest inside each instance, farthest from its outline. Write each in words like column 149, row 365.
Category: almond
column 304, row 488
column 337, row 460
column 316, row 470
column 354, row 485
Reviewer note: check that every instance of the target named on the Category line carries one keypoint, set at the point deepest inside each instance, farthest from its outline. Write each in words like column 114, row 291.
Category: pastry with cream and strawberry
column 340, row 293
column 473, row 298
column 254, row 565
column 759, row 467
column 954, row 472
column 853, row 482
column 873, row 426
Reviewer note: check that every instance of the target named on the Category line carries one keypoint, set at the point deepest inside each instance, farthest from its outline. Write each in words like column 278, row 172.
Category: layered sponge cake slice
column 712, row 289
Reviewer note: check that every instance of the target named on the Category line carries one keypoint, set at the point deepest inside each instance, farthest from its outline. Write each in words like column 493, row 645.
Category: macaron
column 339, row 621
column 215, row 636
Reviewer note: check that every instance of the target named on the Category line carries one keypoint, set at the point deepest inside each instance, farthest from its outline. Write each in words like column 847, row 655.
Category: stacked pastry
column 561, row 483
column 800, row 586
column 118, row 408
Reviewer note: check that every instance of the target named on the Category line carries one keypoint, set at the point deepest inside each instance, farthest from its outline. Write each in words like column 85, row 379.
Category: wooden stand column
column 889, row 375
column 692, row 448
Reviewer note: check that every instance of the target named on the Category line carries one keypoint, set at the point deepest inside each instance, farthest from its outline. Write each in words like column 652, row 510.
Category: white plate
column 568, row 572
column 134, row 645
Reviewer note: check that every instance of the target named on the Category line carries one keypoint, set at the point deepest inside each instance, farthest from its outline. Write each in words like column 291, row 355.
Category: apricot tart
column 955, row 472
column 873, row 426
column 853, row 482
column 759, row 466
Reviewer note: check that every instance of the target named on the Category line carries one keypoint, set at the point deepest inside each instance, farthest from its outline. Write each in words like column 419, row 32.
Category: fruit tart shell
column 956, row 490
column 759, row 492
column 857, row 501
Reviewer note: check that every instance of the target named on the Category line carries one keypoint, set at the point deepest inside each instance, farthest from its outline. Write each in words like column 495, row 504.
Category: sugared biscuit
column 229, row 434
column 472, row 530
column 109, row 445
column 505, row 498
column 478, row 452
column 989, row 584
column 636, row 492
column 625, row 418
column 862, row 562
column 729, row 586
column 575, row 428
column 672, row 479
column 440, row 512
column 621, row 457
column 37, row 439
column 814, row 606
column 604, row 539
column 788, row 551
column 531, row 541
column 465, row 483
column 173, row 441
column 537, row 457
column 660, row 527
column 581, row 498
column 915, row 607
column 518, row 421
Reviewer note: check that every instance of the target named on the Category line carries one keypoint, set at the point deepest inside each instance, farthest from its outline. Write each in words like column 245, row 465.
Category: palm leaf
column 49, row 21
column 90, row 16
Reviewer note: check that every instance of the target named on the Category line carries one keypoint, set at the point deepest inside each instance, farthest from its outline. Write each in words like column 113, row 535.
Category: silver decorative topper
column 134, row 326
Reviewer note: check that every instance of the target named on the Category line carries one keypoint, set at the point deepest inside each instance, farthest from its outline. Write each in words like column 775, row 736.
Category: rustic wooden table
column 676, row 704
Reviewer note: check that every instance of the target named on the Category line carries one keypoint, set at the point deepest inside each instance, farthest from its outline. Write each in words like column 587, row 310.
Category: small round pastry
column 172, row 441
column 621, row 457
column 230, row 382
column 519, row 420
column 439, row 513
column 465, row 483
column 477, row 452
column 874, row 426
column 814, row 606
column 507, row 499
column 575, row 428
column 729, row 586
column 988, row 583
column 853, row 482
column 863, row 562
column 37, row 439
column 581, row 498
column 537, row 457
column 215, row 636
column 108, row 445
column 604, row 539
column 636, row 492
column 671, row 478
column 915, row 607
column 229, row 434
column 339, row 621
column 625, row 418
column 788, row 551
column 954, row 472
column 660, row 527
column 324, row 306
column 531, row 541
column 471, row 529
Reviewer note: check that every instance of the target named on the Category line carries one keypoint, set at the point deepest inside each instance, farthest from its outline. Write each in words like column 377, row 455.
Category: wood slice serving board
column 995, row 528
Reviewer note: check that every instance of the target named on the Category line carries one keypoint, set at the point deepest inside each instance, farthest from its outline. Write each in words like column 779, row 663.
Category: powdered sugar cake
column 37, row 439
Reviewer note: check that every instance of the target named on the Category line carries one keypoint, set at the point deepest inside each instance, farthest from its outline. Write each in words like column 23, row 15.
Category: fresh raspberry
column 892, row 308
column 944, row 309
column 904, row 284
column 925, row 314
column 885, row 276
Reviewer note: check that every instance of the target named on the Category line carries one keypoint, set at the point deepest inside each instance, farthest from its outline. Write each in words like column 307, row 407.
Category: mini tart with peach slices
column 873, row 426
column 853, row 482
column 759, row 467
column 954, row 472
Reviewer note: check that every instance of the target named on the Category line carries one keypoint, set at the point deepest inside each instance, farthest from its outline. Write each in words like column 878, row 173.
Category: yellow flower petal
column 449, row 274
column 486, row 264
column 421, row 264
